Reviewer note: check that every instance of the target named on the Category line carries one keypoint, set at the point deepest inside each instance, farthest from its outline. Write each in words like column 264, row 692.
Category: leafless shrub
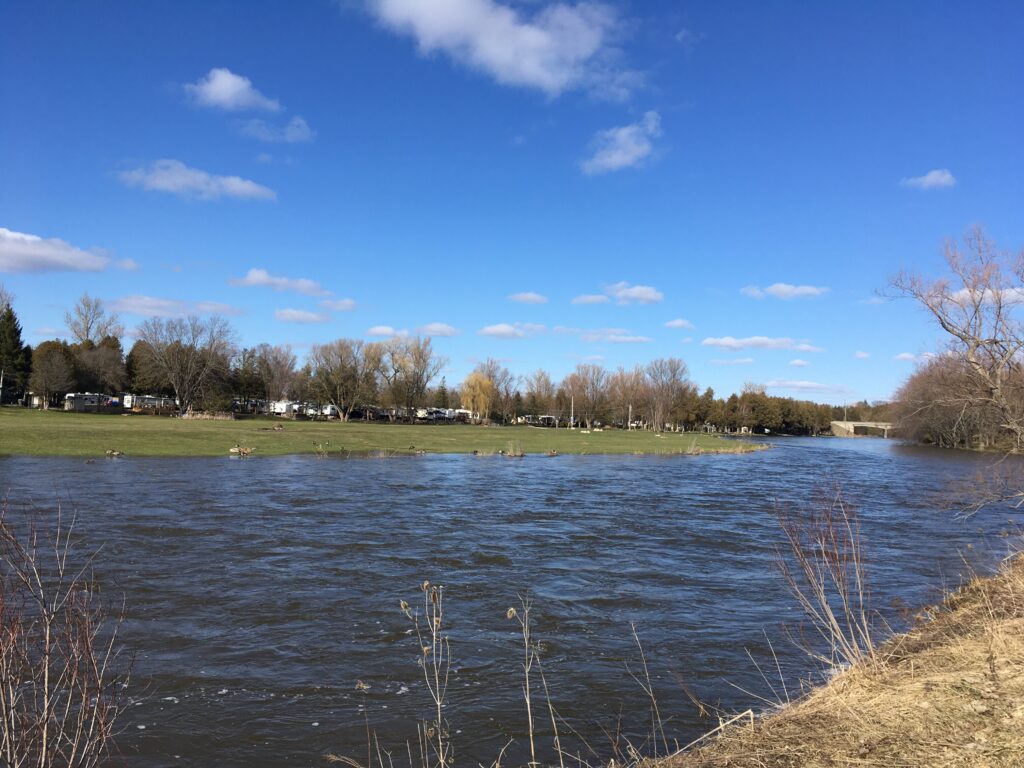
column 62, row 675
column 825, row 571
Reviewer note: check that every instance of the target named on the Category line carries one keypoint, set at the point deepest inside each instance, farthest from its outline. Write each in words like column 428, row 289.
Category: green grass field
column 55, row 433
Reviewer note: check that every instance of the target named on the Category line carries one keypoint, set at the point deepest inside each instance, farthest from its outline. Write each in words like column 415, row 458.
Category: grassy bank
column 56, row 433
column 948, row 693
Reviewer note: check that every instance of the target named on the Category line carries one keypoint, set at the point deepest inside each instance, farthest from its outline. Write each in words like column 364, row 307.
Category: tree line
column 197, row 361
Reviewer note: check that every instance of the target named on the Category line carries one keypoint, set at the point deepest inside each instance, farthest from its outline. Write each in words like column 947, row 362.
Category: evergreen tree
column 15, row 356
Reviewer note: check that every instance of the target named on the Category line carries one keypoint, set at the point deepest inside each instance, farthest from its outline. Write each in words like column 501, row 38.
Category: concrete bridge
column 860, row 428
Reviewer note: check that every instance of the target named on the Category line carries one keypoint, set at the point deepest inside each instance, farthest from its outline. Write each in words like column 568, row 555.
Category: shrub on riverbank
column 948, row 692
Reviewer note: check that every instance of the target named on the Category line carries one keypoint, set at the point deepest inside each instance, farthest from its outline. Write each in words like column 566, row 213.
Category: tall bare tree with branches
column 980, row 309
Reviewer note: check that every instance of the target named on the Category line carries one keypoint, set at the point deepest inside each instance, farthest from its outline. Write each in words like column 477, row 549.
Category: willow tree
column 477, row 394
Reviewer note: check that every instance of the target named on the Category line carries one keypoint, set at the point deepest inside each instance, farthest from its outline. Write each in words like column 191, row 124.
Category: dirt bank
column 948, row 693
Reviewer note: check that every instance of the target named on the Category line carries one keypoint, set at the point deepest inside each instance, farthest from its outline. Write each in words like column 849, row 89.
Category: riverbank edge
column 950, row 691
column 91, row 436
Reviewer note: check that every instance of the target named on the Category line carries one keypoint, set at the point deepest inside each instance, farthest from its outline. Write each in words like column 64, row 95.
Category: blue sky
column 753, row 171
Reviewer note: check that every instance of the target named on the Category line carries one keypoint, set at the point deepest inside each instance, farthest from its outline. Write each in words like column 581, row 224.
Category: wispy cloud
column 154, row 306
column 223, row 89
column 626, row 146
column 624, row 293
column 177, row 178
column 386, row 331
column 798, row 363
column 910, row 357
column 24, row 253
column 528, row 297
column 511, row 330
column 679, row 323
column 940, row 178
column 733, row 361
column 799, row 385
column 613, row 336
column 297, row 130
column 861, row 355
column 437, row 329
column 559, row 48
column 759, row 342
column 300, row 316
column 784, row 291
column 261, row 277
column 591, row 298
column 339, row 305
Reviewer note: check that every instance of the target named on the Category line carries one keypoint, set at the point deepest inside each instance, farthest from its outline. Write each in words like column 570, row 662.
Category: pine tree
column 15, row 356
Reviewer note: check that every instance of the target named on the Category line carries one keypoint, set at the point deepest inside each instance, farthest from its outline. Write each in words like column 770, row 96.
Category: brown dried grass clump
column 950, row 692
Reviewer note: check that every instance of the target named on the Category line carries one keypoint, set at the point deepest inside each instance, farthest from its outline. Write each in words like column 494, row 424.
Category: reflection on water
column 259, row 592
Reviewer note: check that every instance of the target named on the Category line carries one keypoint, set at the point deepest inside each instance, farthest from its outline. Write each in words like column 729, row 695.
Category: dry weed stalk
column 825, row 571
column 62, row 678
column 435, row 661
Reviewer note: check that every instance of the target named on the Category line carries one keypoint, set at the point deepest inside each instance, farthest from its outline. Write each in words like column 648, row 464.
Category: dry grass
column 950, row 692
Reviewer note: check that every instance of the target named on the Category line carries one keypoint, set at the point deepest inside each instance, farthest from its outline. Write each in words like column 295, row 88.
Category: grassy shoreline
column 949, row 692
column 56, row 433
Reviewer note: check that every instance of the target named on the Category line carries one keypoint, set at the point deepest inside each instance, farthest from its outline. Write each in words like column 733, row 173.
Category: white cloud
column 784, row 291
column 907, row 356
column 798, row 363
column 559, row 48
column 861, row 355
column 940, row 178
column 297, row 130
column 624, row 293
column 759, row 342
column 528, row 297
column 21, row 252
column 733, row 361
column 300, row 316
column 511, row 330
column 386, row 330
column 339, row 305
column 623, row 147
column 591, row 298
column 798, row 385
column 223, row 89
column 260, row 277
column 679, row 323
column 437, row 329
column 129, row 265
column 177, row 178
column 612, row 336
column 153, row 306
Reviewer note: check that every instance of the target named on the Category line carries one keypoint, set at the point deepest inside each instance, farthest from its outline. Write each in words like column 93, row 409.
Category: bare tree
column 62, row 678
column 6, row 297
column 587, row 385
column 668, row 385
column 343, row 373
column 980, row 310
column 89, row 322
column 540, row 392
column 407, row 367
column 190, row 352
column 627, row 393
column 276, row 366
column 51, row 371
column 505, row 385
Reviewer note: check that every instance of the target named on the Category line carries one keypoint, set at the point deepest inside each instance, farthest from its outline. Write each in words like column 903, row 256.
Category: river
column 263, row 595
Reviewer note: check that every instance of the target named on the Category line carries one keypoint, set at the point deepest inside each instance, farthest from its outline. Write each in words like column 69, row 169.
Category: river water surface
column 261, row 592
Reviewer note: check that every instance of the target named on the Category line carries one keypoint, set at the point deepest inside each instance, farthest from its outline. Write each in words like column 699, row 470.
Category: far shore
column 59, row 433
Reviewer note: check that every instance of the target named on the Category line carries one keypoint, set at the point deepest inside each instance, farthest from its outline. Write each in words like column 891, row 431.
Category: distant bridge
column 860, row 428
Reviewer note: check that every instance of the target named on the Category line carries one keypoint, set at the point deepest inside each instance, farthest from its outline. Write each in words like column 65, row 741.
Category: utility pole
column 629, row 424
column 572, row 411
